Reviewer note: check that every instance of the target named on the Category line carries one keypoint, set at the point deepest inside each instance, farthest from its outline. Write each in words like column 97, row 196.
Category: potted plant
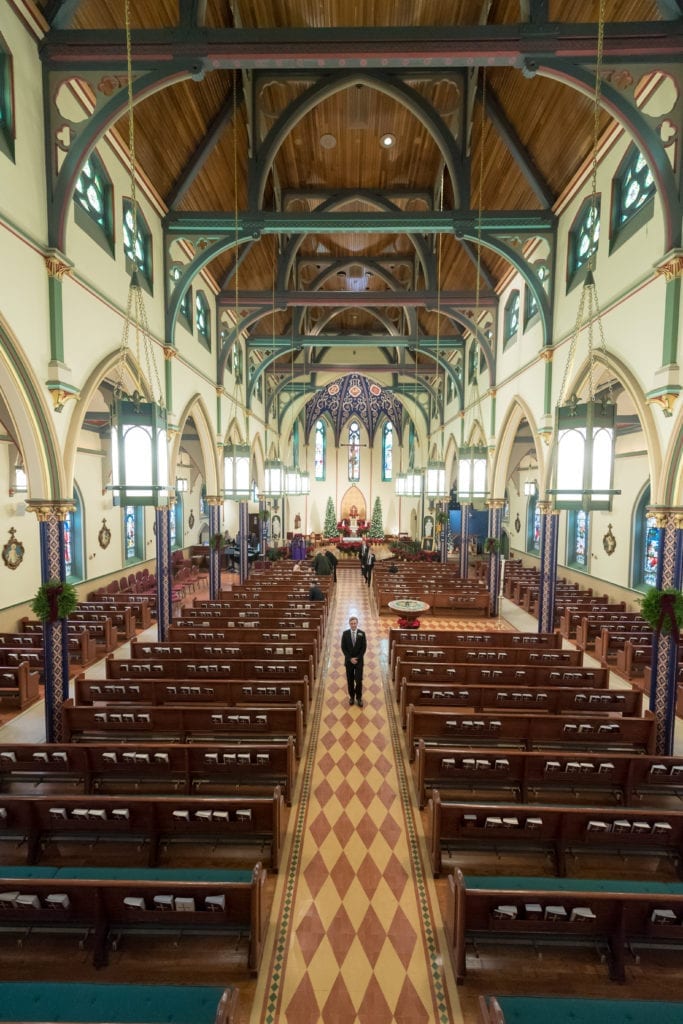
column 441, row 518
column 491, row 546
column 264, row 515
column 216, row 541
column 663, row 610
column 54, row 600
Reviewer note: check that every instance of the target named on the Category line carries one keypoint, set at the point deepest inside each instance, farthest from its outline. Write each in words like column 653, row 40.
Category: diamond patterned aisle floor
column 353, row 928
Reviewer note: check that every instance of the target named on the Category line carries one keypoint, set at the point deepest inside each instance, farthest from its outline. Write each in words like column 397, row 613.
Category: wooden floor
column 356, row 920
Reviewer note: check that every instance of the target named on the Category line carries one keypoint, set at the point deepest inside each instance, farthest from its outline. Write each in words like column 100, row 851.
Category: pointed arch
column 30, row 421
column 196, row 408
column 506, row 434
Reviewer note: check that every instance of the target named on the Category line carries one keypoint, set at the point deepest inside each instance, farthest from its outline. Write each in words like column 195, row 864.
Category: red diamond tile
column 365, row 793
column 383, row 765
column 366, row 829
column 303, row 1007
column 325, row 764
column 395, row 876
column 363, row 741
column 344, row 793
column 342, row 874
column 320, row 828
column 381, row 741
column 403, row 936
column 345, row 740
column 345, row 764
column 410, row 1009
column 343, row 829
column 387, row 794
column 364, row 764
column 374, row 1008
column 315, row 874
column 323, row 792
column 391, row 830
column 369, row 876
column 341, row 934
column 331, row 719
column 327, row 740
column 309, row 932
column 372, row 935
column 338, row 1008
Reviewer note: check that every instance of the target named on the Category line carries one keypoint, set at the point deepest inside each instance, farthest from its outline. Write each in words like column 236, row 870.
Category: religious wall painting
column 104, row 536
column 13, row 551
column 609, row 541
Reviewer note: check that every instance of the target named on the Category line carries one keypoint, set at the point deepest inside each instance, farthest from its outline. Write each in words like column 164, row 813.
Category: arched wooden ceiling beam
column 385, row 83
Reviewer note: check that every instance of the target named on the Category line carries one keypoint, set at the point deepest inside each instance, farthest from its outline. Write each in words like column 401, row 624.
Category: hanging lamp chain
column 480, row 218
column 135, row 307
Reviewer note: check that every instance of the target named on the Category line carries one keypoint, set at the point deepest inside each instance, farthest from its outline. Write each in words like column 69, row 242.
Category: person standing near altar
column 362, row 555
column 370, row 560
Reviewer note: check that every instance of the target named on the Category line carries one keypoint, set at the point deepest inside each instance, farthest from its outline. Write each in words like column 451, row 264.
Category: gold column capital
column 671, row 266
column 46, row 510
column 56, row 264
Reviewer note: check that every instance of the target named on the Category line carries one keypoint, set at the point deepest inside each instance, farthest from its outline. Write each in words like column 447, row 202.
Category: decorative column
column 548, row 576
column 59, row 382
column 495, row 526
column 164, row 575
column 244, row 540
column 665, row 646
column 51, row 518
column 444, row 536
column 262, row 527
column 215, row 548
column 464, row 539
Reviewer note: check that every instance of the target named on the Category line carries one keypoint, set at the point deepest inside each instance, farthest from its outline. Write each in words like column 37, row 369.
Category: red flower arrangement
column 409, row 623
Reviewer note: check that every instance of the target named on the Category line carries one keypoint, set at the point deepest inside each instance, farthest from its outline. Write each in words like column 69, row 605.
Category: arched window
column 472, row 363
column 258, row 390
column 411, row 444
column 73, row 541
column 387, row 451
column 203, row 318
column 584, row 235
column 295, row 443
column 354, row 451
column 6, row 101
column 176, row 523
column 530, row 303
column 646, row 551
column 237, row 362
column 533, row 529
column 138, row 249
column 133, row 531
column 578, row 525
column 511, row 319
column 320, row 457
column 633, row 189
column 185, row 309
column 93, row 197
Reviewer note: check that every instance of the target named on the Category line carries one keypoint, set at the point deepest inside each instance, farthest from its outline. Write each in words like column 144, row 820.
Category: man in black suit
column 353, row 645
column 370, row 559
column 332, row 559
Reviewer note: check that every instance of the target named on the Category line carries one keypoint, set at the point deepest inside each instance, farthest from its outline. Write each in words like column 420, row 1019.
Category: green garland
column 54, row 600
column 216, row 541
column 651, row 608
column 491, row 546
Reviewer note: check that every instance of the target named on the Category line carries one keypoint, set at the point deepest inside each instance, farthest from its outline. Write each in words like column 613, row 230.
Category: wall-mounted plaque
column 13, row 551
column 104, row 536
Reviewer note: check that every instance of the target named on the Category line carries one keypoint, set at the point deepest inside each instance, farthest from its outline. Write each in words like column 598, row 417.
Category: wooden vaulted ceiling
column 334, row 149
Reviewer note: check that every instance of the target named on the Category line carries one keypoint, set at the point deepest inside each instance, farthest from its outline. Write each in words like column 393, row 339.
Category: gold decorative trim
column 671, row 266
column 56, row 264
column 170, row 351
column 665, row 401
column 545, row 508
column 495, row 503
column 49, row 510
column 213, row 499
column 60, row 396
column 220, row 390
column 546, row 355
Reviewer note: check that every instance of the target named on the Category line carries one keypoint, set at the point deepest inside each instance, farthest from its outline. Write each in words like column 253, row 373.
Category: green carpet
column 505, row 883
column 527, row 1010
column 122, row 1004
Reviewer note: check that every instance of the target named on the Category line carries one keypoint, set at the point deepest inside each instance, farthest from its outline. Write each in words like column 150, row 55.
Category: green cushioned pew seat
column 128, row 874
column 528, row 1010
column 123, row 1004
column 505, row 883
column 26, row 871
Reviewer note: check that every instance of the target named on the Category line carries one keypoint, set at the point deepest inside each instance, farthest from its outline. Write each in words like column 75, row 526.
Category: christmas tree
column 330, row 527
column 376, row 530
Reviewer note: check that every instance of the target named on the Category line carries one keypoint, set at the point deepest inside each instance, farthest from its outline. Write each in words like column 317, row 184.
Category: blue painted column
column 548, row 570
column 164, row 574
column 51, row 518
column 262, row 527
column 244, row 540
column 464, row 539
column 215, row 553
column 495, row 527
column 444, row 536
column 664, row 666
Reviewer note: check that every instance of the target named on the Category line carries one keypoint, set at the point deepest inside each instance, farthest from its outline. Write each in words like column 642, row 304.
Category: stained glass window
column 185, row 309
column 584, row 237
column 651, row 552
column 354, row 451
column 295, row 443
column 634, row 186
column 132, row 532
column 173, row 523
column 68, row 555
column 472, row 363
column 320, row 450
column 73, row 541
column 6, row 102
column 203, row 317
column 137, row 245
column 578, row 524
column 511, row 318
column 93, row 195
column 530, row 303
column 533, row 525
column 237, row 362
column 387, row 451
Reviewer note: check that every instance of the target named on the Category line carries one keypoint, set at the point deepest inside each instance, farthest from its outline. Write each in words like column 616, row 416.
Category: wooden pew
column 19, row 685
column 81, row 647
column 200, row 723
column 122, row 619
column 111, row 902
column 463, row 601
column 140, row 606
column 469, row 637
column 272, row 628
column 590, row 626
column 524, row 676
column 633, row 658
column 250, row 767
column 561, row 831
column 153, row 820
column 528, row 775
column 101, row 638
column 549, row 732
column 202, row 650
column 459, row 653
column 223, row 693
column 554, row 700
column 621, row 914
column 610, row 643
